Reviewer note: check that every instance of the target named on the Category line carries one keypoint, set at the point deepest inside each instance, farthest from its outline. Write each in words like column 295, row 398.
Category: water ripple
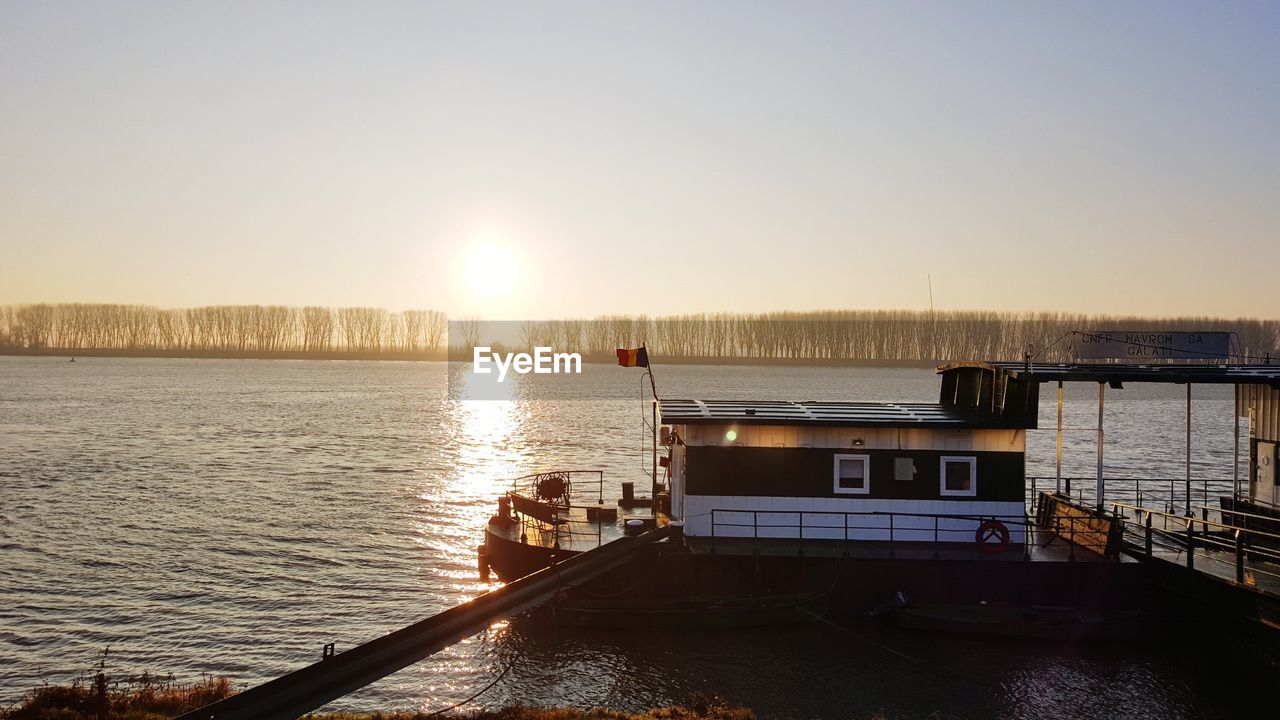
column 233, row 517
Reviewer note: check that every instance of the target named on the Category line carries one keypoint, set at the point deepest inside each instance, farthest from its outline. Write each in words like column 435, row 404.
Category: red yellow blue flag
column 638, row 357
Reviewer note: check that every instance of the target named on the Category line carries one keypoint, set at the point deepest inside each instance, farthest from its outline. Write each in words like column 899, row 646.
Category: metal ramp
column 336, row 675
column 1233, row 570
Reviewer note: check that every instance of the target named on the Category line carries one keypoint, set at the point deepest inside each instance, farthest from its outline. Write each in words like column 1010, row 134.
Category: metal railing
column 543, row 504
column 1157, row 492
column 894, row 528
column 580, row 484
column 1155, row 531
column 876, row 526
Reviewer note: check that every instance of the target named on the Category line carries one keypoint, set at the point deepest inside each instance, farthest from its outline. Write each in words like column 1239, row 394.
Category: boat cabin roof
column 975, row 395
column 845, row 414
column 1117, row 373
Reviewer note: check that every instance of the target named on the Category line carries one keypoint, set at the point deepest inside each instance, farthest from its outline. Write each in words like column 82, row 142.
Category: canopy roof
column 973, row 395
column 1116, row 373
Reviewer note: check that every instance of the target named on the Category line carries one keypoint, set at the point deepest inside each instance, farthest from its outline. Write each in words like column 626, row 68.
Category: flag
column 633, row 358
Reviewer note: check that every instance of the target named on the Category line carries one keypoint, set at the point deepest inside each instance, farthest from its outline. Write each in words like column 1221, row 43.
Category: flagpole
column 648, row 369
column 653, row 486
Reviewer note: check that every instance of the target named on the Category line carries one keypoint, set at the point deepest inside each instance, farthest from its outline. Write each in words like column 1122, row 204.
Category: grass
column 152, row 697
column 142, row 697
column 695, row 710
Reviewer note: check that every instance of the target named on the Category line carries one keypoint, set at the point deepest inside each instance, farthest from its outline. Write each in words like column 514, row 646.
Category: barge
column 863, row 503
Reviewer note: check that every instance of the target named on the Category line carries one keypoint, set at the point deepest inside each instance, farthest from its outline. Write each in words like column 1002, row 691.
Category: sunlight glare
column 490, row 429
column 491, row 269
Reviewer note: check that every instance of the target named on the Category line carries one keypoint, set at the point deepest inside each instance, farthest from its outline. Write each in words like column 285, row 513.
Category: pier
column 1233, row 566
column 337, row 673
column 1224, row 558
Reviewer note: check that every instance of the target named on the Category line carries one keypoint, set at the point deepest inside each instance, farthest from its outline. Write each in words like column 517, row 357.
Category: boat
column 771, row 501
column 786, row 500
column 550, row 516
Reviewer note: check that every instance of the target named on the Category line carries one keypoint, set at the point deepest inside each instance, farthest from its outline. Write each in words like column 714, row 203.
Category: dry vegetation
column 144, row 697
column 150, row 697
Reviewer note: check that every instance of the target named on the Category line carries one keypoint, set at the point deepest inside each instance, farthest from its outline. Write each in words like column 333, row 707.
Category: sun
column 491, row 269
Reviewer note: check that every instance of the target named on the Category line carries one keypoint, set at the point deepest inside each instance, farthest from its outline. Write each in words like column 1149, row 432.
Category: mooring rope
column 479, row 692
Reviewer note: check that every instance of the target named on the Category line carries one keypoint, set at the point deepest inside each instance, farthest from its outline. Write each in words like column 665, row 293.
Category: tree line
column 223, row 328
column 825, row 336
column 884, row 335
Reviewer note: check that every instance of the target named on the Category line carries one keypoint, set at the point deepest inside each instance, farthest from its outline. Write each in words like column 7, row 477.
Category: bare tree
column 435, row 326
column 887, row 335
column 317, row 329
column 469, row 330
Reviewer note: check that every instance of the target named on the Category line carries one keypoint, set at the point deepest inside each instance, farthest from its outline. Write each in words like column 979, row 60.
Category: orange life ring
column 988, row 530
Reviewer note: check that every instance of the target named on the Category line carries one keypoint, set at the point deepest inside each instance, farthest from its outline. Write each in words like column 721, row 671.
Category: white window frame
column 866, row 474
column 973, row 476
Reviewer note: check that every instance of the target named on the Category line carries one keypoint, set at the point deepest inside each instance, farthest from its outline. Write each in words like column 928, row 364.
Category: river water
column 231, row 517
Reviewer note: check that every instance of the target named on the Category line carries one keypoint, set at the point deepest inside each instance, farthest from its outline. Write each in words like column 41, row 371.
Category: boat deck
column 578, row 534
column 1263, row 576
column 1046, row 547
column 574, row 533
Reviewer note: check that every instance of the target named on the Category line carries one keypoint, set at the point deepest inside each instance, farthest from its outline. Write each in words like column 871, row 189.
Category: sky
column 549, row 159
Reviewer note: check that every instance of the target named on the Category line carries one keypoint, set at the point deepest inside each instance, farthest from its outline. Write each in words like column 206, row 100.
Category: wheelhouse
column 845, row 471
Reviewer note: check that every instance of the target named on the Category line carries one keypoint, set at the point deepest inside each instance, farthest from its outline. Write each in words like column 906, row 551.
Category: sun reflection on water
column 483, row 447
column 488, row 438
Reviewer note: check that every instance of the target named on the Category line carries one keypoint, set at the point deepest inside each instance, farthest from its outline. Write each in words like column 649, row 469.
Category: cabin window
column 959, row 475
column 852, row 474
column 904, row 469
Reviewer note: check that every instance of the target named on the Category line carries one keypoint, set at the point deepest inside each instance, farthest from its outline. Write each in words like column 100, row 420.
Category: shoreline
column 439, row 356
column 147, row 696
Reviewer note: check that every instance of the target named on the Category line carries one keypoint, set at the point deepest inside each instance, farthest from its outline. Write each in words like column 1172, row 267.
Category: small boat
column 693, row 613
column 1059, row 624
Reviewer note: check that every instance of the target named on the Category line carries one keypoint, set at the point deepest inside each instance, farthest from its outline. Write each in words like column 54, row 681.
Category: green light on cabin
column 731, row 435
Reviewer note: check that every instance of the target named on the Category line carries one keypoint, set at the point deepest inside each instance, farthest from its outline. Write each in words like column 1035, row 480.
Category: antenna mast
column 933, row 323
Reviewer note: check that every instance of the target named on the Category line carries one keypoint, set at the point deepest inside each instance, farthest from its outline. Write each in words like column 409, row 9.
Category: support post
column 1239, row 555
column 1235, row 449
column 1058, row 485
column 800, row 536
column 653, row 493
column 1188, row 488
column 1191, row 543
column 1147, row 535
column 846, row 534
column 935, row 537
column 1101, row 488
